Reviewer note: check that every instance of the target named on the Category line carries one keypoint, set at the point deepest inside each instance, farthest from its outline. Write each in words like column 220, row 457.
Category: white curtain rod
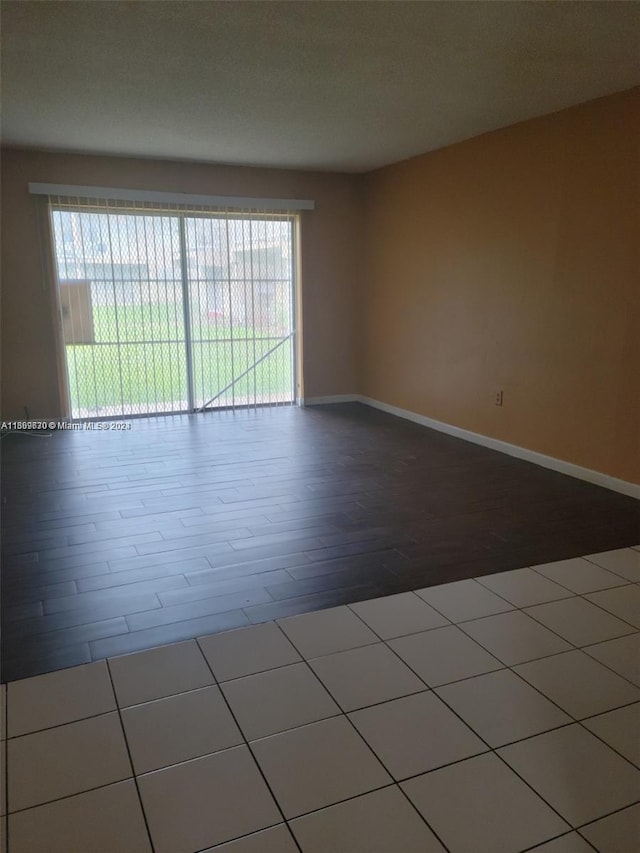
column 224, row 201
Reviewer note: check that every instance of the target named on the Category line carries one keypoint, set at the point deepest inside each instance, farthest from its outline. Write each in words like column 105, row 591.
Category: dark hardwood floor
column 119, row 541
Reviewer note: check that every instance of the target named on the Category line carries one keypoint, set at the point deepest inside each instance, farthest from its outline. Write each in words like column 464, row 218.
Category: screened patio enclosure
column 174, row 311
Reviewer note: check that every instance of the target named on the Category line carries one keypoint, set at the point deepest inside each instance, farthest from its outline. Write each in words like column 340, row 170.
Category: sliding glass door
column 165, row 311
column 241, row 310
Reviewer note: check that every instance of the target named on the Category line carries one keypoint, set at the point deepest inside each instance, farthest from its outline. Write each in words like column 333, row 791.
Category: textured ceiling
column 346, row 86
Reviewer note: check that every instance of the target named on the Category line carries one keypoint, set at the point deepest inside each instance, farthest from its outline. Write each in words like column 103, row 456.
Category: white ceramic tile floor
column 580, row 575
column 501, row 707
column 178, row 728
column 623, row 602
column 569, row 843
column 59, row 697
column 377, row 727
column 3, row 716
column 66, row 760
column 622, row 656
column 620, row 729
column 624, row 562
column 154, row 674
column 395, row 731
column 578, row 684
column 233, row 654
column 444, row 655
column 3, row 778
column 613, row 834
column 318, row 765
column 206, row 801
column 501, row 813
column 276, row 839
column 280, row 699
column 575, row 772
column 365, row 676
column 397, row 615
column 579, row 621
column 106, row 819
column 463, row 600
column 382, row 820
column 326, row 632
column 515, row 637
column 524, row 587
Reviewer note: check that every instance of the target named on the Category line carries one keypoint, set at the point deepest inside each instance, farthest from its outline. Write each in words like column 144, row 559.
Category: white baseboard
column 577, row 471
column 336, row 398
column 596, row 477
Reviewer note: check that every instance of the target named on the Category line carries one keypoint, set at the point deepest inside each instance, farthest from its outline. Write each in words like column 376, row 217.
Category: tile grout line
column 345, row 714
column 454, row 624
column 428, row 690
column 503, row 667
column 393, row 785
column 608, row 612
column 557, row 654
column 574, row 647
column 592, row 822
column 583, row 596
column 597, row 553
column 506, row 667
column 625, row 581
column 4, row 745
column 247, row 744
column 126, row 743
column 573, row 721
column 71, row 796
column 492, row 749
column 557, row 838
column 5, row 770
column 510, row 668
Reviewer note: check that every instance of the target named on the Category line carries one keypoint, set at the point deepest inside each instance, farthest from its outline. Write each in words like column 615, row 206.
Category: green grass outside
column 137, row 373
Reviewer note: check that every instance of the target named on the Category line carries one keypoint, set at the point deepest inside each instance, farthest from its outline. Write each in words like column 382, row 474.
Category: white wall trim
column 596, row 477
column 577, row 471
column 220, row 201
column 336, row 398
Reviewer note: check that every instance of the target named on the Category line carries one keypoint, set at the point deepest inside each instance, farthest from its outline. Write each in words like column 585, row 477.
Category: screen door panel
column 241, row 291
column 173, row 312
column 122, row 313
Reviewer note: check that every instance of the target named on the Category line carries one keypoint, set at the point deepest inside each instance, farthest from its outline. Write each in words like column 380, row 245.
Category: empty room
column 320, row 441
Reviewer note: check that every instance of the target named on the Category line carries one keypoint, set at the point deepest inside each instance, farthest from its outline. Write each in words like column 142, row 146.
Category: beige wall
column 330, row 255
column 513, row 261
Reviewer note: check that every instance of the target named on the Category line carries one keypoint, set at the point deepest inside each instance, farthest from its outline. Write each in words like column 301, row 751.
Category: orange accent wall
column 512, row 261
column 330, row 254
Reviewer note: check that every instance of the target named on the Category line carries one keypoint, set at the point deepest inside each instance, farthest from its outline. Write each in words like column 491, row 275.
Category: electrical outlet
column 498, row 397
